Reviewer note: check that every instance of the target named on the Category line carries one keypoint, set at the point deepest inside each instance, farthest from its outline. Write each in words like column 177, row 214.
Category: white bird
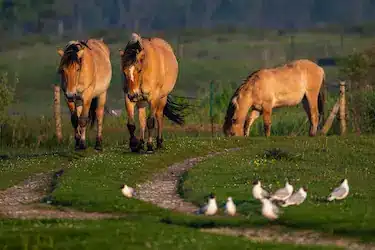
column 258, row 192
column 210, row 208
column 230, row 207
column 269, row 209
column 297, row 198
column 340, row 192
column 127, row 191
column 283, row 194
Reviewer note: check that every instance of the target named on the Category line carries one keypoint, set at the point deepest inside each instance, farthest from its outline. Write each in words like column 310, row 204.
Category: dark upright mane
column 130, row 53
column 70, row 54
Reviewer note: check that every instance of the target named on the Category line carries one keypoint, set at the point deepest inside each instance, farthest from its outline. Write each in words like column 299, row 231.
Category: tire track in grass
column 21, row 202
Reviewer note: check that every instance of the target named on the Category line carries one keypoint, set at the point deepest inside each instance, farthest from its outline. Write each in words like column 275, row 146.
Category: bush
column 359, row 70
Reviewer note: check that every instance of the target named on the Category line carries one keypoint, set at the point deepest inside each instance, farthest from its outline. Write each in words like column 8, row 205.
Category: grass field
column 114, row 234
column 317, row 163
column 91, row 182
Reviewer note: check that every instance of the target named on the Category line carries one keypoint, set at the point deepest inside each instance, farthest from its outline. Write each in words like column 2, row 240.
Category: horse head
column 232, row 125
column 70, row 67
column 132, row 62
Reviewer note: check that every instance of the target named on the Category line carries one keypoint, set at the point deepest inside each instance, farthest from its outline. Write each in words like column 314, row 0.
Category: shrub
column 359, row 70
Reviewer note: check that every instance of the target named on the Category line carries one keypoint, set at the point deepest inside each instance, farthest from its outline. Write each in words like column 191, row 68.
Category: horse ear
column 136, row 38
column 121, row 52
column 60, row 52
column 80, row 53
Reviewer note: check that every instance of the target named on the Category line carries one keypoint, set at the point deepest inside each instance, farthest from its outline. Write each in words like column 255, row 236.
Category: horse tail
column 174, row 111
column 92, row 111
column 321, row 101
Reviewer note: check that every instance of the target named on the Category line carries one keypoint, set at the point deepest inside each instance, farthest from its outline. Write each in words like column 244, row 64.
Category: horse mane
column 233, row 103
column 70, row 53
column 132, row 48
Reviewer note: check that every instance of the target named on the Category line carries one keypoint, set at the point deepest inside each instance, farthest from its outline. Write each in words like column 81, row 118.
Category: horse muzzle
column 73, row 96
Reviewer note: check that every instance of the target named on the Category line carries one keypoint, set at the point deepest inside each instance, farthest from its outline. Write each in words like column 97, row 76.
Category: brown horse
column 265, row 89
column 150, row 71
column 86, row 72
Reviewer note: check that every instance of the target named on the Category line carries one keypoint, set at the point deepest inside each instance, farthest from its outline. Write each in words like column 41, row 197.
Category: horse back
column 287, row 84
column 102, row 68
column 164, row 66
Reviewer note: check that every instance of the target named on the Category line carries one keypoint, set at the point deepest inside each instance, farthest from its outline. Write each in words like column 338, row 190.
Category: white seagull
column 269, row 209
column 230, row 207
column 283, row 194
column 127, row 191
column 258, row 192
column 210, row 208
column 340, row 192
column 297, row 198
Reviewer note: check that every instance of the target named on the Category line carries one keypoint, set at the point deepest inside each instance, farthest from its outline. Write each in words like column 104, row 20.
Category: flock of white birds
column 283, row 197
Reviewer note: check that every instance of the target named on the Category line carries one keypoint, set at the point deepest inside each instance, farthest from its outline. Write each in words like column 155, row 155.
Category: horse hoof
column 141, row 145
column 81, row 146
column 150, row 148
column 134, row 144
column 98, row 147
column 159, row 143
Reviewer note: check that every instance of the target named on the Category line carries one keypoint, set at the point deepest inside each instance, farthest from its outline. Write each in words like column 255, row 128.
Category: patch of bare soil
column 22, row 202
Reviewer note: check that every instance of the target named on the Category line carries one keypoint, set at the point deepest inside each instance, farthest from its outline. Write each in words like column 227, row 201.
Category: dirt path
column 162, row 189
column 21, row 202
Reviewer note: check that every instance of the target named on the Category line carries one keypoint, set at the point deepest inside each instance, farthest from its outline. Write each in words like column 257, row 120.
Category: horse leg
column 159, row 118
column 99, row 116
column 250, row 119
column 83, row 119
column 151, row 125
column 142, row 123
column 312, row 103
column 267, row 112
column 74, row 122
column 133, row 142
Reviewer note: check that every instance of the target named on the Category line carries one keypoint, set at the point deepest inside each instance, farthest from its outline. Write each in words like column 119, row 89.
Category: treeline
column 20, row 17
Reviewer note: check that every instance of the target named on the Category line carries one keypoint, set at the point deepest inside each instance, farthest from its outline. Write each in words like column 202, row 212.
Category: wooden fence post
column 57, row 113
column 211, row 107
column 342, row 108
column 331, row 117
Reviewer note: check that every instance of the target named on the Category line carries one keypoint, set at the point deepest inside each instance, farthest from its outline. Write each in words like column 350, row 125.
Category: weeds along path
column 20, row 202
column 162, row 191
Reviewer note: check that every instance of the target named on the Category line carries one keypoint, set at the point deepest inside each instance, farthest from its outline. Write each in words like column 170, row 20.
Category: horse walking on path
column 265, row 89
column 86, row 72
column 150, row 71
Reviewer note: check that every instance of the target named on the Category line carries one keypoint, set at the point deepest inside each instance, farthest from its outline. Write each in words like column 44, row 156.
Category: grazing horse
column 265, row 89
column 150, row 71
column 86, row 72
